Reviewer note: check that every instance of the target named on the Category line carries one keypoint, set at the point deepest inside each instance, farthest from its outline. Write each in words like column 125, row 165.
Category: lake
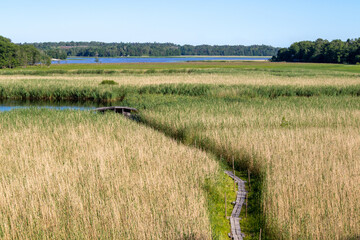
column 154, row 59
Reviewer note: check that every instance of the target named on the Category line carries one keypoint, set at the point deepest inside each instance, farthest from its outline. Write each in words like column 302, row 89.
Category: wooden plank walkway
column 119, row 109
column 125, row 111
column 236, row 233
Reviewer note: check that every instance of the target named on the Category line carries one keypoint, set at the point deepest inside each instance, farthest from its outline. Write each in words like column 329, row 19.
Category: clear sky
column 235, row 22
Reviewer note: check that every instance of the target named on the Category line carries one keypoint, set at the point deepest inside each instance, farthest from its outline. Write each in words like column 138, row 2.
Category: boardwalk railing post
column 260, row 234
column 249, row 179
column 225, row 207
column 246, row 205
column 233, row 165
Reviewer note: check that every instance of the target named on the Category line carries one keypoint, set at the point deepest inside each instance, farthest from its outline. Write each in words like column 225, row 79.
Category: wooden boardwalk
column 125, row 111
column 236, row 233
column 117, row 109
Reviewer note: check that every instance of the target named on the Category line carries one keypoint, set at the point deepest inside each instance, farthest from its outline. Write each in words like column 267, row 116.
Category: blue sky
column 276, row 23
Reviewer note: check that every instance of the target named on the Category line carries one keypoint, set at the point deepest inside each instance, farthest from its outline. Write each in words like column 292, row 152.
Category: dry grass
column 68, row 177
column 80, row 175
column 247, row 78
column 307, row 149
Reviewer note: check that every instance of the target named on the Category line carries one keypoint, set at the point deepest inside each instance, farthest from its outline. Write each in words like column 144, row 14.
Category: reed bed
column 81, row 175
column 306, row 151
column 296, row 128
column 223, row 80
column 259, row 78
column 107, row 93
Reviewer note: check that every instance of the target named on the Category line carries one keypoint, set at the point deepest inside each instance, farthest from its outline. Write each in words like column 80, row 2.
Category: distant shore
column 73, row 60
column 180, row 56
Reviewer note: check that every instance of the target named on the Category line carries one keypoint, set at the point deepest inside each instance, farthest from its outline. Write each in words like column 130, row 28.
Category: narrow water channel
column 8, row 105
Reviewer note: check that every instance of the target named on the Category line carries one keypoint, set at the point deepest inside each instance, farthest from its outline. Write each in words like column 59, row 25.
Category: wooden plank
column 113, row 108
column 239, row 202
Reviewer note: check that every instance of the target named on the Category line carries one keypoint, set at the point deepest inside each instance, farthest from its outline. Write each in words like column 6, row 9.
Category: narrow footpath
column 236, row 233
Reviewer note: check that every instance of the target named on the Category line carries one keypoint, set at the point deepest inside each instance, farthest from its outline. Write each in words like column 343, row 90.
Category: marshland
column 291, row 128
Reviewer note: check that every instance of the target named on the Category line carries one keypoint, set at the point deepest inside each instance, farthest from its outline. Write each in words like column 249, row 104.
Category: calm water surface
column 151, row 60
column 9, row 108
column 8, row 105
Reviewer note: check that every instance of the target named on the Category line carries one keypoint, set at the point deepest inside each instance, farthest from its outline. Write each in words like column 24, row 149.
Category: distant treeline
column 61, row 50
column 321, row 51
column 13, row 55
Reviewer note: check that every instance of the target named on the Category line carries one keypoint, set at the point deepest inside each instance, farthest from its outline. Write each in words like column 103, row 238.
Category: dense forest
column 321, row 51
column 61, row 50
column 13, row 55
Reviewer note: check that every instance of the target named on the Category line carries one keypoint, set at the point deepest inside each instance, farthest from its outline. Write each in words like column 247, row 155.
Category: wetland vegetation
column 294, row 127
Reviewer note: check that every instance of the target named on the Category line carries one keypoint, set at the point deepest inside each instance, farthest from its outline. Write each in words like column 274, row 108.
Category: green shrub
column 109, row 82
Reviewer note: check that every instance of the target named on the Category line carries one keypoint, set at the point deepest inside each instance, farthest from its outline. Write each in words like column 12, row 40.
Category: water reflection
column 7, row 105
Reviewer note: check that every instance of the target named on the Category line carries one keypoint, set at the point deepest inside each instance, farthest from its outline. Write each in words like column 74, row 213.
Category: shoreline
column 181, row 56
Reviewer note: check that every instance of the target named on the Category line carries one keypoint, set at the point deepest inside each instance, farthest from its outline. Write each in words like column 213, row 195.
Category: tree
column 96, row 57
column 149, row 49
column 13, row 55
column 357, row 59
column 8, row 53
column 45, row 59
column 336, row 51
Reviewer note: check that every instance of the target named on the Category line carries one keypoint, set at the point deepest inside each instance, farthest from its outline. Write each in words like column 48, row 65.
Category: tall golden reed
column 80, row 175
column 307, row 148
